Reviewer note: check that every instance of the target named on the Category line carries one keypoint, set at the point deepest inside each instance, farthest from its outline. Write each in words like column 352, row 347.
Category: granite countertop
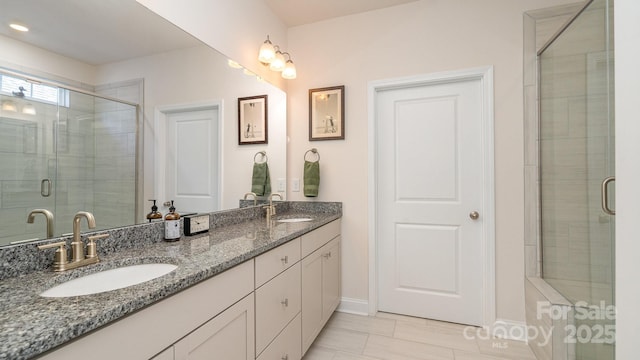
column 31, row 325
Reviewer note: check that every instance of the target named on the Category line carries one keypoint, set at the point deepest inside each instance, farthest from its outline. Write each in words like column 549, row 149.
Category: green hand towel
column 261, row 182
column 311, row 178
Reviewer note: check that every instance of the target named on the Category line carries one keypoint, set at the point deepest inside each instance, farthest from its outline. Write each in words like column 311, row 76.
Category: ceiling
column 117, row 30
column 113, row 30
column 300, row 12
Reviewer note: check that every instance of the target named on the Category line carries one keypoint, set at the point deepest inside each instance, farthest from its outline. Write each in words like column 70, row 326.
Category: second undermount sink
column 109, row 280
column 293, row 220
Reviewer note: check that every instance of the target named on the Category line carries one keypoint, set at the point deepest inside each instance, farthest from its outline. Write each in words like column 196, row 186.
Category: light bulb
column 9, row 105
column 267, row 52
column 29, row 109
column 277, row 64
column 289, row 71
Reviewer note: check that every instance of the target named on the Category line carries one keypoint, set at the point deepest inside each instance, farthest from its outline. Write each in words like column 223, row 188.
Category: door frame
column 160, row 128
column 485, row 75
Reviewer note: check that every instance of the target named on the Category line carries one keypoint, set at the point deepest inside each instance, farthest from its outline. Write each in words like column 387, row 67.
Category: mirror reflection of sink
column 109, row 280
column 294, row 220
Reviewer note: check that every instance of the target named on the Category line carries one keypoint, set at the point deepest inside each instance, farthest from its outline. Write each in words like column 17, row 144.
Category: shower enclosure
column 63, row 150
column 576, row 144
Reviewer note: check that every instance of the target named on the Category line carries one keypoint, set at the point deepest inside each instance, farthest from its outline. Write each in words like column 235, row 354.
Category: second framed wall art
column 252, row 120
column 326, row 113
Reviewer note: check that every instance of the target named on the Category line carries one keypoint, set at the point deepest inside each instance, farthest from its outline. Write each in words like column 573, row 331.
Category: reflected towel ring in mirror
column 315, row 151
column 264, row 157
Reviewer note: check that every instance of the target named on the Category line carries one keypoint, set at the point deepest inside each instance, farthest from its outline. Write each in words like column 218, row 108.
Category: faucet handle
column 60, row 258
column 91, row 244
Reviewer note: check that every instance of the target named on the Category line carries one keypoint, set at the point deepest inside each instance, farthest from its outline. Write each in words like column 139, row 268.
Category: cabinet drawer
column 318, row 237
column 275, row 261
column 287, row 345
column 277, row 303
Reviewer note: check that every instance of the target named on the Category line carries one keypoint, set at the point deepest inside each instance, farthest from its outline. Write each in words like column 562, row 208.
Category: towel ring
column 264, row 156
column 315, row 151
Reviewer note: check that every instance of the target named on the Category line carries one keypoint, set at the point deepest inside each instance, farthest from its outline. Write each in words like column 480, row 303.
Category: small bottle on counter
column 172, row 224
column 154, row 214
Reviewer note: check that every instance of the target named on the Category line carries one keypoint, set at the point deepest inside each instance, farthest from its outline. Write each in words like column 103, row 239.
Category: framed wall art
column 326, row 113
column 252, row 120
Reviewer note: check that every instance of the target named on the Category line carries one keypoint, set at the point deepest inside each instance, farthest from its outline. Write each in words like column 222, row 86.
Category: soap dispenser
column 172, row 224
column 154, row 214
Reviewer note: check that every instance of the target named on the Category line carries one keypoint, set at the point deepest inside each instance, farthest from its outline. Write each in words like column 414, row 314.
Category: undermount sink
column 294, row 220
column 109, row 280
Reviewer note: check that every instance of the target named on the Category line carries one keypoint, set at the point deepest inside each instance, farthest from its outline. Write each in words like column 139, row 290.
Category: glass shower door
column 576, row 156
column 27, row 160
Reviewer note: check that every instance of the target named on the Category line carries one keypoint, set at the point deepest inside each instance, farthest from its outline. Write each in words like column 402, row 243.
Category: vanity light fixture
column 277, row 64
column 233, row 64
column 9, row 105
column 29, row 109
column 267, row 52
column 289, row 71
column 18, row 27
column 271, row 55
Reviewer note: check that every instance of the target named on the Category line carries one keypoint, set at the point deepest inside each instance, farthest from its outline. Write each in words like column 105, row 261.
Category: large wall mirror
column 65, row 150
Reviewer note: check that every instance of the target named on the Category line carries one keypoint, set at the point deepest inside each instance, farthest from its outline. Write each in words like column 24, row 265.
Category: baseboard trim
column 354, row 306
column 509, row 330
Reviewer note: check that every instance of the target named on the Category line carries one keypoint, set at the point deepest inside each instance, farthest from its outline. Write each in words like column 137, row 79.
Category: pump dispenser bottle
column 154, row 214
column 172, row 224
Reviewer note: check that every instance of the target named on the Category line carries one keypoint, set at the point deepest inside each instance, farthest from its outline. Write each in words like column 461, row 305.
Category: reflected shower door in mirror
column 63, row 151
column 149, row 62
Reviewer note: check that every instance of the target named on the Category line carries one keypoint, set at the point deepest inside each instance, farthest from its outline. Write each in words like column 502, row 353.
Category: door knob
column 474, row 215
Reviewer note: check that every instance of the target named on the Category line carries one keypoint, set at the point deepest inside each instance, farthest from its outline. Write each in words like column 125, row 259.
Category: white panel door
column 430, row 181
column 191, row 172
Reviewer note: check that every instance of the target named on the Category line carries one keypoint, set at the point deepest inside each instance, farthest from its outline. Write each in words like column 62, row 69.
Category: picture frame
column 326, row 113
column 253, row 120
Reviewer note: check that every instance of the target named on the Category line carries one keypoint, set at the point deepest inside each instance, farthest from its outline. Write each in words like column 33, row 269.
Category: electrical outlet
column 295, row 185
column 282, row 185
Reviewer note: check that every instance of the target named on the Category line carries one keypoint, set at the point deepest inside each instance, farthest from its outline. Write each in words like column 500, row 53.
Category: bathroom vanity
column 246, row 290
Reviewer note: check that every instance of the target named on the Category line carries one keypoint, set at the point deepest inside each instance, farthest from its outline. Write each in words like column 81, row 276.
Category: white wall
column 33, row 60
column 198, row 75
column 627, row 78
column 416, row 38
column 236, row 28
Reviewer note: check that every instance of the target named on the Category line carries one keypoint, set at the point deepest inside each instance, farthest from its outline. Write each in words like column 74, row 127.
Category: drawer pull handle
column 285, row 357
column 285, row 302
column 285, row 259
column 327, row 255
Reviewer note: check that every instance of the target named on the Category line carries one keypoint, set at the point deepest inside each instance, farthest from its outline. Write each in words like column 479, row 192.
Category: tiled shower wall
column 115, row 169
column 539, row 27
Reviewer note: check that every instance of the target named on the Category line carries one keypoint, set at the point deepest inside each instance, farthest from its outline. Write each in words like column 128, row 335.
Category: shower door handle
column 45, row 188
column 605, row 195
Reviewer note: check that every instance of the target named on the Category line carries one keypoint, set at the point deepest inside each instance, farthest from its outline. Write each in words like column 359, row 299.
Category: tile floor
column 396, row 337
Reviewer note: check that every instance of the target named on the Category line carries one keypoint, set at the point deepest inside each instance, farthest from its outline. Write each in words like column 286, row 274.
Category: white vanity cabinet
column 320, row 280
column 214, row 303
column 269, row 308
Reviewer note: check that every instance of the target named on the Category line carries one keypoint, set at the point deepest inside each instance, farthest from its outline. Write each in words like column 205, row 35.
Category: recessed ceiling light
column 18, row 27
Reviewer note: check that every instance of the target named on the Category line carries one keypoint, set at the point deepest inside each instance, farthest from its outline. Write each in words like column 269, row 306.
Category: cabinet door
column 287, row 345
column 277, row 303
column 228, row 336
column 331, row 286
column 311, row 298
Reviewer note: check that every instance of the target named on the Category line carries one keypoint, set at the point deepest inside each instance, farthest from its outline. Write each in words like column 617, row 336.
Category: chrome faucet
column 77, row 246
column 48, row 214
column 78, row 258
column 271, row 210
column 255, row 197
